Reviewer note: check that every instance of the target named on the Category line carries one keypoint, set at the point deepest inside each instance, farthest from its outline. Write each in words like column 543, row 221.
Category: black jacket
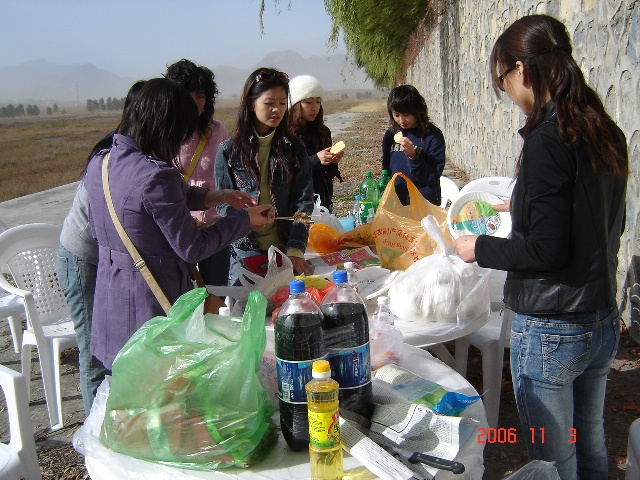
column 562, row 253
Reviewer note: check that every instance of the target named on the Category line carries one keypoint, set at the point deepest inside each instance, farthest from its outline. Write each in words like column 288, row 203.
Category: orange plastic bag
column 325, row 239
column 399, row 238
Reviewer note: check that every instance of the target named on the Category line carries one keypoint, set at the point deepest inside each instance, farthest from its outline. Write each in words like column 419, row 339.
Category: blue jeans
column 215, row 269
column 559, row 367
column 77, row 279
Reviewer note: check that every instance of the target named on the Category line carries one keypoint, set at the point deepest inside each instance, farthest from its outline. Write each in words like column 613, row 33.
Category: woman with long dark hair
column 568, row 213
column 270, row 164
column 152, row 202
column 198, row 153
column 419, row 149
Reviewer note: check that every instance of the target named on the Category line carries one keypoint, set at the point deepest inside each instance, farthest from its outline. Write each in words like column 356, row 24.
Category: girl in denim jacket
column 265, row 161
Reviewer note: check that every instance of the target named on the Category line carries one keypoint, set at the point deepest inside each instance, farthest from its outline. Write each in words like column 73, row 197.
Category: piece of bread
column 397, row 137
column 337, row 148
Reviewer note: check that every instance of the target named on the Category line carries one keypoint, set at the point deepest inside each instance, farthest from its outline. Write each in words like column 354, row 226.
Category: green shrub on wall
column 376, row 33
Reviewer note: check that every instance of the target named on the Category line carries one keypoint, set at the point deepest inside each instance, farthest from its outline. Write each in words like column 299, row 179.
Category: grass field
column 38, row 153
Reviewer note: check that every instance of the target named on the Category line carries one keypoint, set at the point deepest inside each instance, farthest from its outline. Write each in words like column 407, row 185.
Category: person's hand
column 502, row 207
column 465, row 247
column 337, row 156
column 301, row 266
column 325, row 156
column 259, row 216
column 234, row 198
column 407, row 146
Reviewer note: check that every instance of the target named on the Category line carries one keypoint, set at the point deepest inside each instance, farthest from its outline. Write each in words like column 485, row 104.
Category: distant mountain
column 46, row 82
column 43, row 82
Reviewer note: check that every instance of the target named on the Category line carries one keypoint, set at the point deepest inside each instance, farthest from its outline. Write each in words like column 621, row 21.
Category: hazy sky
column 138, row 38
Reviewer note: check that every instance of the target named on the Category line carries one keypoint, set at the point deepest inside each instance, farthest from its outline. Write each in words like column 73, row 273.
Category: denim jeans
column 559, row 367
column 215, row 269
column 77, row 279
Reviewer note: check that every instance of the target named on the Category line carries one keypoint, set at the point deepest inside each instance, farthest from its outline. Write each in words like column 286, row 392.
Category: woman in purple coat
column 152, row 202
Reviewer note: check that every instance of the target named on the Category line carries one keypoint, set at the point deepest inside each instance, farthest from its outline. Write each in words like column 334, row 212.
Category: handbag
column 212, row 303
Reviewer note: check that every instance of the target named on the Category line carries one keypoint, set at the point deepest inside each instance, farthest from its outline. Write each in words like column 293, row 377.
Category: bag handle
column 133, row 251
column 195, row 159
column 416, row 206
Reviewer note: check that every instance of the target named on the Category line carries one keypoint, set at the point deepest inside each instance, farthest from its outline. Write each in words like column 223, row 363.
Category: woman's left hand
column 325, row 156
column 465, row 247
column 301, row 266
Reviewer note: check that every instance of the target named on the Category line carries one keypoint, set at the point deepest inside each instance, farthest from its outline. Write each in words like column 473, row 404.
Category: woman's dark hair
column 160, row 118
column 543, row 45
column 312, row 134
column 260, row 81
column 106, row 141
column 196, row 78
column 407, row 99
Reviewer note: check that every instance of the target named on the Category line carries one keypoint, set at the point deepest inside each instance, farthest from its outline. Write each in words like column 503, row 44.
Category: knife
column 437, row 462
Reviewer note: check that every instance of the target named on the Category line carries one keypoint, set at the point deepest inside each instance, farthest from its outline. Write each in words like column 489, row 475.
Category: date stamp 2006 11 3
column 509, row 435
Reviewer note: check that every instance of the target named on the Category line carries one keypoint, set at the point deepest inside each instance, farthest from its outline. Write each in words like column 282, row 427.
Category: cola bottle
column 346, row 337
column 298, row 343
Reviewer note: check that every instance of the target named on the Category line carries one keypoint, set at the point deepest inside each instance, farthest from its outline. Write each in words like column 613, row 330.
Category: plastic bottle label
column 351, row 367
column 324, row 429
column 292, row 378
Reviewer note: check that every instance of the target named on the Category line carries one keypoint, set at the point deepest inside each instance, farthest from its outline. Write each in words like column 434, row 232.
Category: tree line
column 108, row 104
column 11, row 110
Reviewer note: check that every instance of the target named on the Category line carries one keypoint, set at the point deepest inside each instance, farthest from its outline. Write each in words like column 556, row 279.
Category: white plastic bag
column 385, row 342
column 432, row 288
column 321, row 214
column 276, row 277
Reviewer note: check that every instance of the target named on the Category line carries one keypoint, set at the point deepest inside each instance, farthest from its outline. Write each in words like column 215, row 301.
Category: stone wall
column 451, row 70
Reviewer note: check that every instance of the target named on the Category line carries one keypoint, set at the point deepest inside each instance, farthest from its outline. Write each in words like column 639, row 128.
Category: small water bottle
column 352, row 278
column 371, row 214
column 355, row 211
column 383, row 313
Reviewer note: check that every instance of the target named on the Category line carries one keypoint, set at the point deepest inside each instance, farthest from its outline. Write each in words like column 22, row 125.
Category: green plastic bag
column 185, row 389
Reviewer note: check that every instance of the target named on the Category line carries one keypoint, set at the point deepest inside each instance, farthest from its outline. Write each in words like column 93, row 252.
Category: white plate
column 472, row 214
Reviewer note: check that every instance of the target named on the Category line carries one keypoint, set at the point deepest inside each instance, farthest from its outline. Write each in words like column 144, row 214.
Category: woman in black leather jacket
column 568, row 212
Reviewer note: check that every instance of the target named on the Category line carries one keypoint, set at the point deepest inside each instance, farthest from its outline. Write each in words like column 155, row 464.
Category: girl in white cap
column 306, row 121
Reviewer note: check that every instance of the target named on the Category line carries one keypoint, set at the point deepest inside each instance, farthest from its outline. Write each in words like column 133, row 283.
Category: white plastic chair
column 500, row 186
column 11, row 308
column 30, row 253
column 18, row 458
column 633, row 452
column 491, row 339
column 449, row 191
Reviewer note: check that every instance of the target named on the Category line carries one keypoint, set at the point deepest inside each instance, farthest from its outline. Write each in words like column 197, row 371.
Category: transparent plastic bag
column 434, row 287
column 385, row 342
column 536, row 470
column 198, row 401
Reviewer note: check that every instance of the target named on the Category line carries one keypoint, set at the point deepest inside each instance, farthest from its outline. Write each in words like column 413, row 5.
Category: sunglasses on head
column 266, row 75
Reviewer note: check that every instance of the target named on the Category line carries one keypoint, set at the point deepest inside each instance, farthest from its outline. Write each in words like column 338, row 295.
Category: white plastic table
column 284, row 464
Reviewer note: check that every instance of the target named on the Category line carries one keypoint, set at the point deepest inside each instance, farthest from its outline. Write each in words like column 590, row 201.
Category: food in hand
column 397, row 137
column 337, row 148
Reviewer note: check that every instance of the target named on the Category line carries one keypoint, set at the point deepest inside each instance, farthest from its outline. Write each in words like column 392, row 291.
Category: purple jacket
column 150, row 201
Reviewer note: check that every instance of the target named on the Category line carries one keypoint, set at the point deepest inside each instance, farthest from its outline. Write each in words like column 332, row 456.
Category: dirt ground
column 59, row 461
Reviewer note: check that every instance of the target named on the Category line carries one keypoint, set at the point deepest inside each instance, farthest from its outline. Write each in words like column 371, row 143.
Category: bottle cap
column 384, row 172
column 367, row 174
column 383, row 300
column 339, row 276
column 357, row 197
column 321, row 369
column 224, row 311
column 296, row 286
column 348, row 265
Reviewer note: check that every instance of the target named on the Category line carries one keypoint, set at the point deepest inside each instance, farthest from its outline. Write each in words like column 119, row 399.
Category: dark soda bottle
column 346, row 337
column 298, row 343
